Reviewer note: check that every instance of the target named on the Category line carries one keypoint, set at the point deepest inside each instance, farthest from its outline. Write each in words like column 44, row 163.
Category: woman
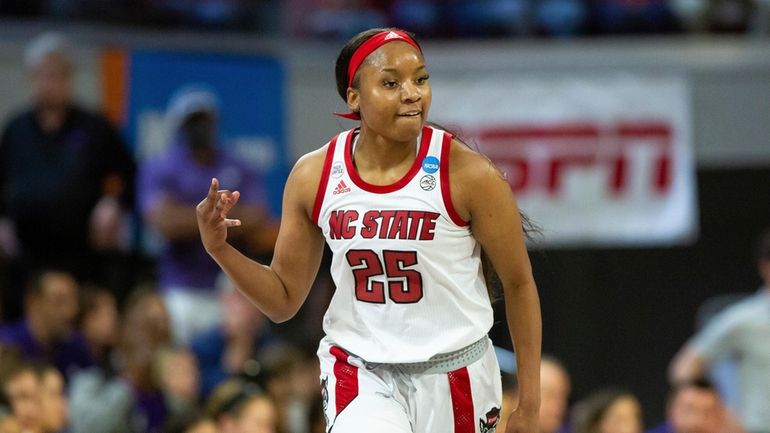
column 608, row 410
column 406, row 347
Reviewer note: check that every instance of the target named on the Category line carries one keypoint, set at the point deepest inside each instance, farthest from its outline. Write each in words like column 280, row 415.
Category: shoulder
column 87, row 115
column 471, row 173
column 737, row 314
column 18, row 120
column 469, row 163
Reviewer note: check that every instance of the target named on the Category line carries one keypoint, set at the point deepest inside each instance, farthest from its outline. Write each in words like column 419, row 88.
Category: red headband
column 368, row 47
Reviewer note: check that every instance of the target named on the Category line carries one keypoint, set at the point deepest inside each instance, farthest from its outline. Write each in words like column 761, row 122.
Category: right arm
column 687, row 365
column 280, row 289
column 715, row 340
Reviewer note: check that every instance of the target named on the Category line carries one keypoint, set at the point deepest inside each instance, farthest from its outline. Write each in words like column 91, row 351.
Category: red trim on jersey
column 427, row 133
column 446, row 194
column 346, row 376
column 322, row 185
column 462, row 400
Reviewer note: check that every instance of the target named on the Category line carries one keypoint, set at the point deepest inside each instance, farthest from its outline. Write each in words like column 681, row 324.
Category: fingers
column 226, row 201
column 230, row 202
column 232, row 222
column 212, row 194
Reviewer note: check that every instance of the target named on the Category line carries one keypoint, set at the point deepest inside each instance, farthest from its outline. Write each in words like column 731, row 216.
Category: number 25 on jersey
column 404, row 285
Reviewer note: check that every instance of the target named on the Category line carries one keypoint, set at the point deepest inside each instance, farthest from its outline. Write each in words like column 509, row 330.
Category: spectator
column 98, row 322
column 144, row 333
column 179, row 379
column 65, row 174
column 554, row 396
column 290, row 377
column 168, row 192
column 47, row 333
column 228, row 348
column 22, row 388
column 609, row 410
column 695, row 407
column 741, row 331
column 633, row 16
column 130, row 399
column 54, row 401
column 241, row 407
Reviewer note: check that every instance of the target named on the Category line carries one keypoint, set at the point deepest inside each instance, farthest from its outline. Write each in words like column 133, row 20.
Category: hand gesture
column 212, row 217
column 522, row 421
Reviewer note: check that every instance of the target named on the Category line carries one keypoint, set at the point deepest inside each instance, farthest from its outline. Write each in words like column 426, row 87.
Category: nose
column 410, row 92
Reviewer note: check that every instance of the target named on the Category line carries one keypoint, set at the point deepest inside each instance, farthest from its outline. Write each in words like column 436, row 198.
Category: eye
column 390, row 84
column 423, row 79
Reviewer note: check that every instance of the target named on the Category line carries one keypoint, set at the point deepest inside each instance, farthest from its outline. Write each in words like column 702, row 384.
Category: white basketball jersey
column 407, row 269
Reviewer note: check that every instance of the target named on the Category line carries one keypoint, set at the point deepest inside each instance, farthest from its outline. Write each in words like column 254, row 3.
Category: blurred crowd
column 428, row 18
column 181, row 349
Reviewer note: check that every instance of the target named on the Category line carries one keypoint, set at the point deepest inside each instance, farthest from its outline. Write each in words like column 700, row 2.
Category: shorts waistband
column 442, row 362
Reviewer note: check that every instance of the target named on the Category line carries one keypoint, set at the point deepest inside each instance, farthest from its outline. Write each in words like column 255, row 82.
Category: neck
column 374, row 151
column 203, row 155
column 51, row 118
column 38, row 329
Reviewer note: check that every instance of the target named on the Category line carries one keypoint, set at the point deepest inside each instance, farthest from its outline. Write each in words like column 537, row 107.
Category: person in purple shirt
column 168, row 192
column 46, row 333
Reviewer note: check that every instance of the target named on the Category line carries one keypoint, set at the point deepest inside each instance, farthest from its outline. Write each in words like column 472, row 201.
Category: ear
column 354, row 100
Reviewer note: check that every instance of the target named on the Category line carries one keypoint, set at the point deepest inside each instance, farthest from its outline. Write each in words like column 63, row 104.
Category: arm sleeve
column 718, row 338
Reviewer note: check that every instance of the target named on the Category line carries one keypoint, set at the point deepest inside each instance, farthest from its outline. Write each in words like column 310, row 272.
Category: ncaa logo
column 427, row 182
column 337, row 170
column 430, row 164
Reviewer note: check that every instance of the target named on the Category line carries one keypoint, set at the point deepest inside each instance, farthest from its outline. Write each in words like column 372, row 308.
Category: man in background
column 168, row 191
column 741, row 332
column 65, row 174
column 695, row 407
column 46, row 333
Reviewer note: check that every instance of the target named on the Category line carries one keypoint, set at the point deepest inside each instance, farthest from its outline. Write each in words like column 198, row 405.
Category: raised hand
column 212, row 216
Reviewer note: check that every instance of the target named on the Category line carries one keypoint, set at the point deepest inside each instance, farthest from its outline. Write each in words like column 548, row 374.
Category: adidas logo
column 392, row 35
column 341, row 188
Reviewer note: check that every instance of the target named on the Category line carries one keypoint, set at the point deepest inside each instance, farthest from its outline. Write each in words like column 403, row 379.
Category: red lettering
column 428, row 225
column 341, row 224
column 387, row 217
column 398, row 229
column 415, row 217
column 369, row 224
column 558, row 165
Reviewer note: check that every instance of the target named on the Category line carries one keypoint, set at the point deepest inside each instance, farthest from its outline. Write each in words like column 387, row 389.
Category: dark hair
column 343, row 59
column 699, row 383
column 90, row 294
column 232, row 396
column 588, row 413
column 34, row 283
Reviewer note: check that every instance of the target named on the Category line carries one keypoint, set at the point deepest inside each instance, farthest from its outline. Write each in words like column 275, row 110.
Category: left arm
column 482, row 195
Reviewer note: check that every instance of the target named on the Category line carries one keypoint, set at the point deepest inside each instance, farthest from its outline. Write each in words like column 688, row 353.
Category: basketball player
column 406, row 210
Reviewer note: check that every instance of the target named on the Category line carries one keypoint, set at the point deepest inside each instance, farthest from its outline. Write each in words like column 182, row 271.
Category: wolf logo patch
column 489, row 424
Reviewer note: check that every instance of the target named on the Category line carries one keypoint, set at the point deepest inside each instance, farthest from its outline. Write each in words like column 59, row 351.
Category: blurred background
column 633, row 132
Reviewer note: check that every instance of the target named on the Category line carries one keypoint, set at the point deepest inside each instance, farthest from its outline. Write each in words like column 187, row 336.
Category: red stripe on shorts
column 462, row 400
column 347, row 379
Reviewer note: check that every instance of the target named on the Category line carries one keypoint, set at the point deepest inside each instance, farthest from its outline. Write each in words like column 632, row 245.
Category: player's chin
column 409, row 125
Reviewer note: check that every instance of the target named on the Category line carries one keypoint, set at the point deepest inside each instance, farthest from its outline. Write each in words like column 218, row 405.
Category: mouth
column 413, row 113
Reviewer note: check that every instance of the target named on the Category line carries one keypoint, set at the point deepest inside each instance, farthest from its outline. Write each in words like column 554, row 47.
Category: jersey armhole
column 323, row 183
column 446, row 194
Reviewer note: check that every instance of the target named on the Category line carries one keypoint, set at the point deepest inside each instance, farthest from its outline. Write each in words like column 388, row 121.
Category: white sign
column 603, row 161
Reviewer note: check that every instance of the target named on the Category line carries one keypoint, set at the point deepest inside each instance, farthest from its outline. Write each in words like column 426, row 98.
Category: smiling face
column 391, row 92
